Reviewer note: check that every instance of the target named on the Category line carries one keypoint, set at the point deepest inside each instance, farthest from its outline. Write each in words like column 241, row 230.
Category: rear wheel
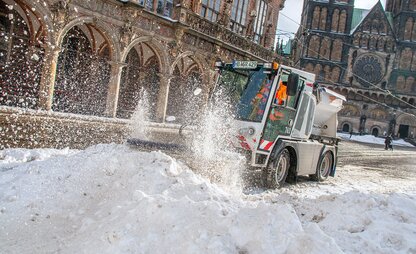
column 278, row 170
column 324, row 167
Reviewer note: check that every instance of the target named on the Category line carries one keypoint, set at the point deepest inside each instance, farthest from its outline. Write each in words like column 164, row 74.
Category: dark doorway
column 346, row 128
column 375, row 132
column 403, row 131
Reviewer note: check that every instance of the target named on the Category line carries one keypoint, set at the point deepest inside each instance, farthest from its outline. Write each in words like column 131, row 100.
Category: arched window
column 336, row 72
column 342, row 21
column 337, row 50
column 325, row 50
column 313, row 48
column 322, row 19
column 335, row 20
column 408, row 29
column 400, row 83
column 409, row 84
column 406, row 58
column 316, row 17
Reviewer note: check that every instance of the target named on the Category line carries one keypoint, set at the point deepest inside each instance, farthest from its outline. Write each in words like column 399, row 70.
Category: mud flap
column 332, row 173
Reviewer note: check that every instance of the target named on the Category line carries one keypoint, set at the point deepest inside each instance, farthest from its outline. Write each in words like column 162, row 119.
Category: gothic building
column 367, row 55
column 72, row 71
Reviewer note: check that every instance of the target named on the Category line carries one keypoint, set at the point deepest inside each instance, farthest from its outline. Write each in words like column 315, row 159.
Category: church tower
column 403, row 76
column 326, row 26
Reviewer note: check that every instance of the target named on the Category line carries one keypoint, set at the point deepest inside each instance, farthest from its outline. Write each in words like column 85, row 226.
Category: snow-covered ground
column 114, row 199
column 372, row 139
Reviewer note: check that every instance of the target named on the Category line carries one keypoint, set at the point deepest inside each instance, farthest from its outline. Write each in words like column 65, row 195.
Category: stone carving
column 369, row 69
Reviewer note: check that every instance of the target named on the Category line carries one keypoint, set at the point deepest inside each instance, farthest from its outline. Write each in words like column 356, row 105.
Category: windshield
column 247, row 91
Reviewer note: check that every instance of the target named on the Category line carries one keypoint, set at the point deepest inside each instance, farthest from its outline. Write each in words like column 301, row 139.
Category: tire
column 278, row 170
column 324, row 167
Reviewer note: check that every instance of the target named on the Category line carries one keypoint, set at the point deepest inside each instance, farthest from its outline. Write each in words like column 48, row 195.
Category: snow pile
column 365, row 223
column 372, row 139
column 112, row 199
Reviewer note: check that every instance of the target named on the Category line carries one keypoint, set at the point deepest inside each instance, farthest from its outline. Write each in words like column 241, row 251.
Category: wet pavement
column 401, row 162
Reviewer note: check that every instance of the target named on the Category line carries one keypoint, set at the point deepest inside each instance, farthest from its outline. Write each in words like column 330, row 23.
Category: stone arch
column 375, row 130
column 364, row 41
column 381, row 98
column 318, row 71
column 408, row 29
column 366, row 97
column 414, row 32
column 336, row 72
column 406, row 125
column 413, row 66
column 346, row 127
column 140, row 79
column 309, row 67
column 101, row 27
column 359, row 96
column 337, row 50
column 324, row 51
column 342, row 21
column 316, row 17
column 187, row 77
column 406, row 58
column 159, row 50
column 409, row 83
column 22, row 41
column 322, row 19
column 400, row 83
column 373, row 42
column 380, row 44
column 351, row 95
column 335, row 20
column 83, row 69
column 313, row 48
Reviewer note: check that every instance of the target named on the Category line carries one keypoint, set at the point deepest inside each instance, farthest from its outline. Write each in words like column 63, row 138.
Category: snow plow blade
column 152, row 145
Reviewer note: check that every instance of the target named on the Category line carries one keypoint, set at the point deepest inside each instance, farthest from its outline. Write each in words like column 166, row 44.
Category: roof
column 357, row 16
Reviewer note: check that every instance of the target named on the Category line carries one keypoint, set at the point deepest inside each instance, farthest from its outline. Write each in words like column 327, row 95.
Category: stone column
column 113, row 88
column 162, row 97
column 47, row 81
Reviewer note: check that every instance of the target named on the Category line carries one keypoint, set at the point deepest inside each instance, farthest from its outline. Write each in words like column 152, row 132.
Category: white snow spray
column 212, row 150
column 140, row 119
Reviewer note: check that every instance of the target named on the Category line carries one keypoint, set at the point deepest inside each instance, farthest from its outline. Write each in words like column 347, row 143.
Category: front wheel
column 278, row 170
column 324, row 167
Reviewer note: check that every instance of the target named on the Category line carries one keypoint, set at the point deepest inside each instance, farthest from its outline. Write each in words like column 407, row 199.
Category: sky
column 293, row 9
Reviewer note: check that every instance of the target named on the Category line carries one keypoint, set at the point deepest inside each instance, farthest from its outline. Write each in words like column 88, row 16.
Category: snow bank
column 372, row 139
column 112, row 199
column 365, row 223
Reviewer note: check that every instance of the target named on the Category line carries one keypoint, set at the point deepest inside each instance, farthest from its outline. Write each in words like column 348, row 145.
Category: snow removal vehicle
column 284, row 121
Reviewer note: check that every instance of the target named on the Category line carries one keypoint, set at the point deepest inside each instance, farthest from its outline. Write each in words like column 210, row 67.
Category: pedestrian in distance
column 388, row 143
column 350, row 133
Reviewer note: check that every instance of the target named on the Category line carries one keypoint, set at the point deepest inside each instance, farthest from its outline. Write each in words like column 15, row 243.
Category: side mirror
column 292, row 84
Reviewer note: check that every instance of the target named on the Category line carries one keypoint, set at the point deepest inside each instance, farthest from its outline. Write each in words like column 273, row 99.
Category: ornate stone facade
column 94, row 57
column 366, row 55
